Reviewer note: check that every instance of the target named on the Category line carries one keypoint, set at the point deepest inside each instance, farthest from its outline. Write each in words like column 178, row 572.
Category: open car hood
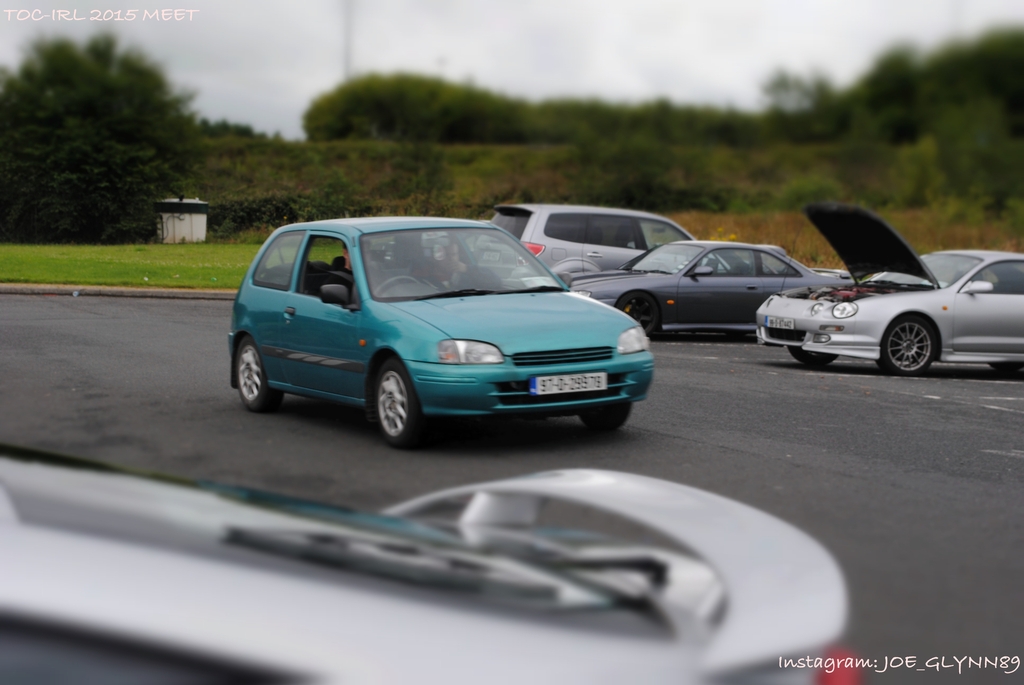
column 865, row 242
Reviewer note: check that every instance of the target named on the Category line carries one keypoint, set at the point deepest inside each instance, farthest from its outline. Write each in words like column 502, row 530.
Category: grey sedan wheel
column 909, row 347
column 643, row 308
column 398, row 408
column 607, row 418
column 251, row 380
column 810, row 358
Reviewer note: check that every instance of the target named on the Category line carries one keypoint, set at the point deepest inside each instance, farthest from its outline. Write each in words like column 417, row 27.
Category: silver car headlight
column 584, row 293
column 633, row 340
column 468, row 352
column 844, row 310
column 817, row 307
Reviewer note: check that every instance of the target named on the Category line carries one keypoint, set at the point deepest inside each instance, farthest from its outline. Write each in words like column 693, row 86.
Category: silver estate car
column 901, row 310
column 577, row 238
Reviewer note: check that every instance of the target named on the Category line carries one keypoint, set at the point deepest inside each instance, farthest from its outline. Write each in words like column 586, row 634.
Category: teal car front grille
column 579, row 355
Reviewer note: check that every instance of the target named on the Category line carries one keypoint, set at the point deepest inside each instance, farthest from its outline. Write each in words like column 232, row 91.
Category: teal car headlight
column 844, row 310
column 468, row 352
column 633, row 340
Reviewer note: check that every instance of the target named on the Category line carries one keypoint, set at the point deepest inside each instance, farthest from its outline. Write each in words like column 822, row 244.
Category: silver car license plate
column 776, row 322
column 574, row 382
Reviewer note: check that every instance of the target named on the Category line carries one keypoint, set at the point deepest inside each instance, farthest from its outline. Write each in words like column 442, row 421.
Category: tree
column 414, row 108
column 90, row 136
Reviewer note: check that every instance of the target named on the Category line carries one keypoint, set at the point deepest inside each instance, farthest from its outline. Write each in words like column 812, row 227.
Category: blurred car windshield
column 424, row 263
column 949, row 268
column 670, row 258
column 512, row 221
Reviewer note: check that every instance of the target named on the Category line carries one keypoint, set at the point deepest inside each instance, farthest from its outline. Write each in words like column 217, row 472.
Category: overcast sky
column 261, row 62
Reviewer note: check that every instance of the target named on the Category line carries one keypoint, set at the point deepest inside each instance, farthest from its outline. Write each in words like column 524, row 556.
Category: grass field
column 161, row 266
column 222, row 265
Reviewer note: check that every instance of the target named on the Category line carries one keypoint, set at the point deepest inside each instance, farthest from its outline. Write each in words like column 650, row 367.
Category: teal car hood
column 524, row 323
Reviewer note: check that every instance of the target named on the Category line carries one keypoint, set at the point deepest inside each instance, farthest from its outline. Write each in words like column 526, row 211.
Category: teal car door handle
column 290, row 311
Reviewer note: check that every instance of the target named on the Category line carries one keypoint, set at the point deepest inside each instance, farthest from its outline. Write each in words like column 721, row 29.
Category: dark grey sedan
column 700, row 285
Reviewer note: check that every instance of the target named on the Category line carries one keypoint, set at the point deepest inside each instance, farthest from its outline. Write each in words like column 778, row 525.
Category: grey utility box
column 183, row 220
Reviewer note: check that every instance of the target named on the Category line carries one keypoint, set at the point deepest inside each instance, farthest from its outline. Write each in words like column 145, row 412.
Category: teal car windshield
column 427, row 263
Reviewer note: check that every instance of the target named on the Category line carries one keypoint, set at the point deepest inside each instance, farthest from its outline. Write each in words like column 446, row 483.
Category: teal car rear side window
column 278, row 262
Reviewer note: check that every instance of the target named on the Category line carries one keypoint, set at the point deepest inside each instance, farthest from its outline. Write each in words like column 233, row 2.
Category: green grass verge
column 219, row 266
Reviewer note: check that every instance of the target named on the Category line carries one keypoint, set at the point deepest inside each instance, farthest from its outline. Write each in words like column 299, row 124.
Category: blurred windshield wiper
column 882, row 281
column 446, row 567
column 650, row 271
column 537, row 289
column 455, row 293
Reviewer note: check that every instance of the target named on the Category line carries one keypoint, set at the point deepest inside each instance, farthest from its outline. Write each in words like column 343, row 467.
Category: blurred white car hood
column 784, row 594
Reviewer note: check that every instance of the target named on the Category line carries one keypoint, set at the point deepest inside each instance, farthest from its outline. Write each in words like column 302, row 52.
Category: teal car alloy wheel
column 398, row 409
column 256, row 394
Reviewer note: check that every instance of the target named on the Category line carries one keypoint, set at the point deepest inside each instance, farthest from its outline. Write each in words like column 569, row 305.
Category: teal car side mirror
column 336, row 293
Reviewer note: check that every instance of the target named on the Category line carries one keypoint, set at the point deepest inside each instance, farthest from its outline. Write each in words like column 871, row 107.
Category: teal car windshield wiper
column 455, row 293
column 538, row 289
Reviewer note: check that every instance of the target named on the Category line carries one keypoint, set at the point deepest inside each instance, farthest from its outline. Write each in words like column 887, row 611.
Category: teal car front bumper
column 504, row 389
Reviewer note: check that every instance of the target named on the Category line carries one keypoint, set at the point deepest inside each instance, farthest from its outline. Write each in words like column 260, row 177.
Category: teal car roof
column 392, row 223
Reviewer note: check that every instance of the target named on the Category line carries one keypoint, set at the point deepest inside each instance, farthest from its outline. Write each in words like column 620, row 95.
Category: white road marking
column 932, row 397
column 992, row 406
column 1012, row 453
column 1003, row 399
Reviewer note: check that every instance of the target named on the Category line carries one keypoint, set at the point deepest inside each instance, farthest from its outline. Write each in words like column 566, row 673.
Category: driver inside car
column 444, row 266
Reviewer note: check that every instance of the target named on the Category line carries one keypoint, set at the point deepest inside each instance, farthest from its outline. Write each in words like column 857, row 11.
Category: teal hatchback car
column 414, row 318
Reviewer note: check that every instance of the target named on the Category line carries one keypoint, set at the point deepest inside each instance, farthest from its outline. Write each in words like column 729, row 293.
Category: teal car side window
column 278, row 262
column 326, row 263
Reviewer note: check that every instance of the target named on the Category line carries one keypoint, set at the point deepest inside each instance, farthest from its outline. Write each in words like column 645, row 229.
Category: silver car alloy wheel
column 250, row 377
column 910, row 346
column 392, row 403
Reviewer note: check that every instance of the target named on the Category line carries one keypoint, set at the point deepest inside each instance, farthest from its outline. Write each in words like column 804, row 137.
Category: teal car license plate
column 573, row 382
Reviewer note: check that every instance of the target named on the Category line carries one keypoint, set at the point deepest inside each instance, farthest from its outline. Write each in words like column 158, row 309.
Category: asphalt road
column 916, row 485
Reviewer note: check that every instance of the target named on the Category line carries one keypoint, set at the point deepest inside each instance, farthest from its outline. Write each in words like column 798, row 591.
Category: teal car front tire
column 398, row 408
column 609, row 418
column 251, row 379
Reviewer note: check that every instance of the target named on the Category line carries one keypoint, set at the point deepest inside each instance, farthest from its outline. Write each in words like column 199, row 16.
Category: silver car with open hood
column 903, row 311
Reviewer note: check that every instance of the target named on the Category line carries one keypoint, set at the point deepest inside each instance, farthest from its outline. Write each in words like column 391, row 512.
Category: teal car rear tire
column 398, row 408
column 251, row 379
column 607, row 418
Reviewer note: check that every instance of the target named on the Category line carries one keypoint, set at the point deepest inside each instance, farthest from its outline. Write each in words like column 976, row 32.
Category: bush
column 919, row 178
column 801, row 191
column 89, row 137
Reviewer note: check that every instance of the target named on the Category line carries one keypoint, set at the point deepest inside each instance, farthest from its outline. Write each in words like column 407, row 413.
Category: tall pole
column 348, row 38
